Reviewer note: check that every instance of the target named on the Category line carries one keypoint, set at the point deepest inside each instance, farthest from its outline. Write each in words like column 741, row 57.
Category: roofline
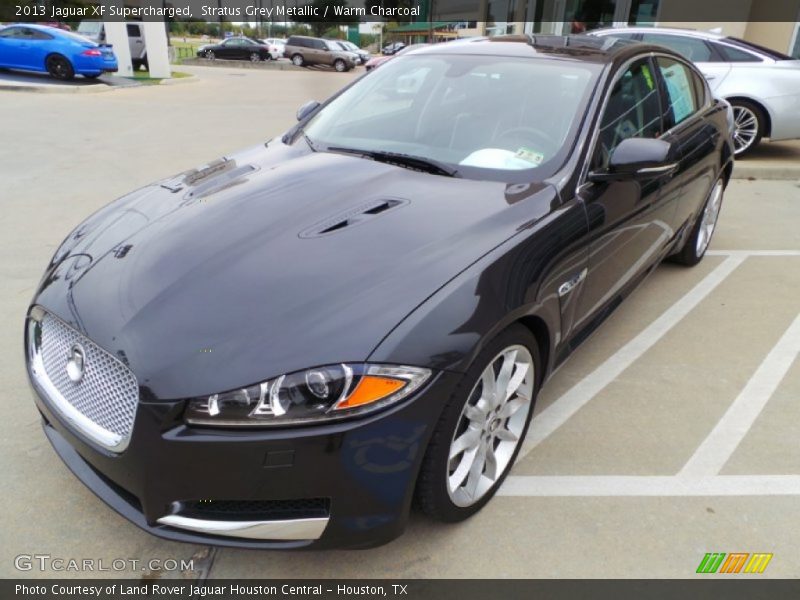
column 709, row 35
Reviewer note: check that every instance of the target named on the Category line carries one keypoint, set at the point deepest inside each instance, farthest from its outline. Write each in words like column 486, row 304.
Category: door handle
column 566, row 287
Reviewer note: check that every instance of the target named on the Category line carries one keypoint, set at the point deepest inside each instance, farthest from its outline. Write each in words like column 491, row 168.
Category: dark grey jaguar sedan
column 288, row 346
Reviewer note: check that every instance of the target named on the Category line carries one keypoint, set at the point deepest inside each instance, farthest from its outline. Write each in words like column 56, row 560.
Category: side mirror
column 307, row 109
column 638, row 159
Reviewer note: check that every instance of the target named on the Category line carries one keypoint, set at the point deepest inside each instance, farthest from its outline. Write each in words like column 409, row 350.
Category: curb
column 783, row 173
column 95, row 88
column 271, row 65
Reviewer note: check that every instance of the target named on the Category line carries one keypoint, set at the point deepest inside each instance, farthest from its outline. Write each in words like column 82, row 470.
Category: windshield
column 89, row 27
column 484, row 116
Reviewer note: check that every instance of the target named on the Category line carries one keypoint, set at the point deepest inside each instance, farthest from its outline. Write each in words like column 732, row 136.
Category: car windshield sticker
column 497, row 158
column 680, row 91
column 532, row 156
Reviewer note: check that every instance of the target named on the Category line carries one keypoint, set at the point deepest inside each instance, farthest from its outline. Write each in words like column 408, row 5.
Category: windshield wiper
column 419, row 163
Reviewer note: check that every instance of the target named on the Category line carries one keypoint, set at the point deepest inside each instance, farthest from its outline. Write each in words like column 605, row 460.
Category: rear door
column 687, row 101
column 630, row 222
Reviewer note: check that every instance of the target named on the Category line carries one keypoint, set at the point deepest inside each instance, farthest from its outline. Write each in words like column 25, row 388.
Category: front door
column 630, row 221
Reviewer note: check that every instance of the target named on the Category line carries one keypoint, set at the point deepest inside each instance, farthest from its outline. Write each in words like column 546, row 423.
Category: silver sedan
column 762, row 85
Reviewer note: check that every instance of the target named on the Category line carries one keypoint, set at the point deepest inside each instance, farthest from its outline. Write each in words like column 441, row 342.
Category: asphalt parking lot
column 671, row 433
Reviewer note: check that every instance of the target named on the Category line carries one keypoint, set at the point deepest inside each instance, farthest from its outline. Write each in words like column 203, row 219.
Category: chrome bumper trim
column 289, row 529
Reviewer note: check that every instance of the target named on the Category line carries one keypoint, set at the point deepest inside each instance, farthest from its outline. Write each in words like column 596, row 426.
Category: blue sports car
column 60, row 53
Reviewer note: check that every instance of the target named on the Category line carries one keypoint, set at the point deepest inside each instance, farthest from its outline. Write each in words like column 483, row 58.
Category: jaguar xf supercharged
column 292, row 345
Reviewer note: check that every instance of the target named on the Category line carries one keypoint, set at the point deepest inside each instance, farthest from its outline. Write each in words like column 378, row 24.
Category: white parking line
column 555, row 415
column 638, row 485
column 717, row 448
column 747, row 253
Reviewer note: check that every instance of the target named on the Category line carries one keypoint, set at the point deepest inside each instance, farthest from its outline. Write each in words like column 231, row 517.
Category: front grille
column 256, row 510
column 107, row 394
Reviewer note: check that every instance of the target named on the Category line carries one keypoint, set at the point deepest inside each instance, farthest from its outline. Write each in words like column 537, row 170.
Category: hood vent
column 353, row 217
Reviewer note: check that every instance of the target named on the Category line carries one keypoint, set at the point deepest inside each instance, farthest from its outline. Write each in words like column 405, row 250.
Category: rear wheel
column 695, row 248
column 59, row 67
column 481, row 428
column 748, row 123
column 297, row 60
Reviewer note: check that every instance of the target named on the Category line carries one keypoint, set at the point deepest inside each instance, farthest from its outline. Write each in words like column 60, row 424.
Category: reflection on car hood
column 271, row 261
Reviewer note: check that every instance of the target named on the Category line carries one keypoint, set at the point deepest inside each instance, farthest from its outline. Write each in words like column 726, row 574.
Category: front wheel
column 695, row 248
column 481, row 428
column 210, row 55
column 59, row 67
column 255, row 57
column 339, row 65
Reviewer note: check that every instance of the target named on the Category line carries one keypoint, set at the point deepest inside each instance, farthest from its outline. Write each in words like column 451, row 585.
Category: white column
column 155, row 40
column 117, row 36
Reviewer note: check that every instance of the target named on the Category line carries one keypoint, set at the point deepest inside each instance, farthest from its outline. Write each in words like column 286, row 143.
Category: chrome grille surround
column 102, row 403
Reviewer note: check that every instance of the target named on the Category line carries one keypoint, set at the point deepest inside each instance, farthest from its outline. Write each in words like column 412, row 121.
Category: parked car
column 393, row 48
column 347, row 46
column 307, row 51
column 275, row 50
column 96, row 32
column 762, row 85
column 376, row 61
column 279, row 42
column 55, row 51
column 237, row 48
column 286, row 346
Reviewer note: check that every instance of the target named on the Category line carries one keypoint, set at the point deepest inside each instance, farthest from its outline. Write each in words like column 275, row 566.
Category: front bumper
column 365, row 468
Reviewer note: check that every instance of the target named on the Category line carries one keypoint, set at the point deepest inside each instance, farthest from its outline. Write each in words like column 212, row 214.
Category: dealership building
column 770, row 23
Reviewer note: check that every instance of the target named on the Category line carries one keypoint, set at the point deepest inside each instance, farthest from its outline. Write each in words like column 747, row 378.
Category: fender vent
column 353, row 217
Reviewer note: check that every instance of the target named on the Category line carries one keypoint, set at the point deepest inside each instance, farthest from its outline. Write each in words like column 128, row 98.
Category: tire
column 749, row 124
column 339, row 65
column 444, row 483
column 59, row 67
column 210, row 55
column 145, row 64
column 695, row 247
column 298, row 60
column 255, row 57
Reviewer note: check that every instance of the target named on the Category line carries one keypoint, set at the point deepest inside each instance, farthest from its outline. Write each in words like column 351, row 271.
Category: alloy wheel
column 210, row 55
column 339, row 66
column 255, row 57
column 709, row 219
column 59, row 67
column 490, row 426
column 745, row 130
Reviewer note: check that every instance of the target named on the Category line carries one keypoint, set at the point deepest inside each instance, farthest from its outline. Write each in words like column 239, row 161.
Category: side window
column 632, row 110
column 10, row 32
column 320, row 45
column 682, row 100
column 732, row 54
column 693, row 49
column 39, row 35
column 133, row 30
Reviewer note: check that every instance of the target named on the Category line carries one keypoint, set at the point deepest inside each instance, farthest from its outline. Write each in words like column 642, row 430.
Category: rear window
column 690, row 48
column 761, row 49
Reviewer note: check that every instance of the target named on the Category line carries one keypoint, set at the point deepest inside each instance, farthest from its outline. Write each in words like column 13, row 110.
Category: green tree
column 319, row 27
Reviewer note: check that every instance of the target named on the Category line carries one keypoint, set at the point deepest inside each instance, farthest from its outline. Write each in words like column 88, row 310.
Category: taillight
column 91, row 52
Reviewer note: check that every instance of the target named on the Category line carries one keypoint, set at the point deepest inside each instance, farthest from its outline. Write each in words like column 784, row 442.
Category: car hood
column 271, row 261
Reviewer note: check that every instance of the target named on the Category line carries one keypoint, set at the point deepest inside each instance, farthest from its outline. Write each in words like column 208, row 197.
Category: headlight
column 319, row 394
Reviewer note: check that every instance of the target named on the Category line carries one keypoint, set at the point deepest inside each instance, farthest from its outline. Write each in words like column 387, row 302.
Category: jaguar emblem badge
column 76, row 360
